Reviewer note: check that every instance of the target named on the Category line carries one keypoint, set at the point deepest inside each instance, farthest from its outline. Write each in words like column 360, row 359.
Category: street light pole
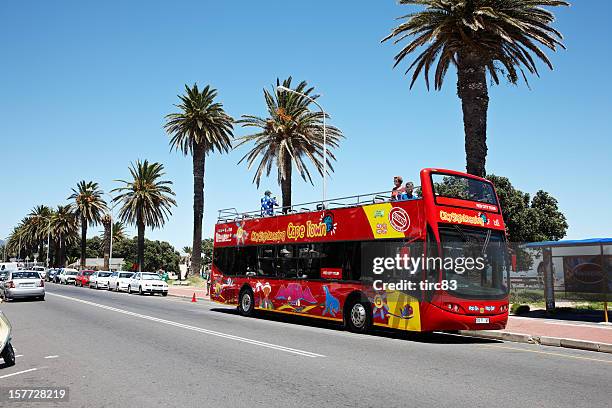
column 285, row 89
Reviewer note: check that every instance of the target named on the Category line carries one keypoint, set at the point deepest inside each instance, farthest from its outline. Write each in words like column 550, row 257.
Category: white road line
column 19, row 355
column 19, row 372
column 52, row 357
column 193, row 328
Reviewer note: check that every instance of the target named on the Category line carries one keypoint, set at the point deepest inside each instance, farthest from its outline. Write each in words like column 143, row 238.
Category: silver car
column 23, row 284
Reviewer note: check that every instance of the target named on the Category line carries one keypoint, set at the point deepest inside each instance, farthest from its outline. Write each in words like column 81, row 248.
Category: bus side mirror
column 513, row 262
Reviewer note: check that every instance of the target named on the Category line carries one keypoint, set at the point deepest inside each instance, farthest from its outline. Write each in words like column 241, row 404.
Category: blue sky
column 84, row 87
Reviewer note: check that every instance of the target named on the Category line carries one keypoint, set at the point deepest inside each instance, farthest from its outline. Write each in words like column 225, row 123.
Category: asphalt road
column 119, row 350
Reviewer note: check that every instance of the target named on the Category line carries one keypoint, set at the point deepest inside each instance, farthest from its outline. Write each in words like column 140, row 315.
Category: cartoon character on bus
column 332, row 304
column 264, row 289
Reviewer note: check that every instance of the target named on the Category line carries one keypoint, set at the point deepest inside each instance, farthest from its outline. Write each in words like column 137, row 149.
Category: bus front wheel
column 358, row 317
column 246, row 303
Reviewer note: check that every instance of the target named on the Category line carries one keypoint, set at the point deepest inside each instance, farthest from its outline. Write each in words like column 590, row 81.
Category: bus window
column 245, row 260
column 266, row 262
column 287, row 262
column 223, row 259
column 351, row 267
column 309, row 262
column 332, row 256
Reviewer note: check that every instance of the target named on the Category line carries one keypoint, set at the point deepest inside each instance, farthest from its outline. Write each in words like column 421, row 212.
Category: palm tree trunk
column 199, row 162
column 83, row 241
column 62, row 252
column 107, row 241
column 56, row 253
column 286, row 183
column 141, row 242
column 473, row 92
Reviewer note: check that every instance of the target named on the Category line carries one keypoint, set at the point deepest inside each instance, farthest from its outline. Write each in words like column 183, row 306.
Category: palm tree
column 145, row 200
column 118, row 232
column 107, row 222
column 19, row 238
column 38, row 225
column 498, row 37
column 289, row 134
column 64, row 230
column 89, row 206
column 201, row 127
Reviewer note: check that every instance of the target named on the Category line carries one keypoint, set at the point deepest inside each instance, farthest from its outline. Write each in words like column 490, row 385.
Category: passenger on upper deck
column 408, row 192
column 398, row 189
column 268, row 203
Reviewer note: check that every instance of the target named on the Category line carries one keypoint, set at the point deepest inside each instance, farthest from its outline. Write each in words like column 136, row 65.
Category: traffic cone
column 193, row 298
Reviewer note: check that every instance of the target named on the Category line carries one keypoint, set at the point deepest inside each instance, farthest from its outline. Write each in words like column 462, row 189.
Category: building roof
column 570, row 242
column 98, row 262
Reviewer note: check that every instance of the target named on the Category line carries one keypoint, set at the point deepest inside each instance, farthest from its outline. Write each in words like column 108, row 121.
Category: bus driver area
column 368, row 261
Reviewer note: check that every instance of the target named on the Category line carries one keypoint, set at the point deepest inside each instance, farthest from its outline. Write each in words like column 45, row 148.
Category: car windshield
column 151, row 276
column 26, row 275
column 87, row 273
column 104, row 274
column 125, row 275
column 488, row 278
column 71, row 273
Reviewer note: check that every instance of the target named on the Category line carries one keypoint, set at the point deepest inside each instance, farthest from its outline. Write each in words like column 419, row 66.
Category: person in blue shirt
column 268, row 203
column 408, row 194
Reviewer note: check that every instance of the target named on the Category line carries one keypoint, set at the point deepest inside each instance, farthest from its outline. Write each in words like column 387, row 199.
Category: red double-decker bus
column 348, row 260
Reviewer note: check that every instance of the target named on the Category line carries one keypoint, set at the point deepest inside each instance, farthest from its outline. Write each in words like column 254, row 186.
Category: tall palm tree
column 64, row 230
column 19, row 239
column 38, row 226
column 199, row 128
column 145, row 200
column 117, row 229
column 498, row 37
column 107, row 222
column 289, row 134
column 89, row 206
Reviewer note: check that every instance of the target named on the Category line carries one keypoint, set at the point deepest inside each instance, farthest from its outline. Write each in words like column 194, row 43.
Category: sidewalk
column 552, row 332
column 187, row 292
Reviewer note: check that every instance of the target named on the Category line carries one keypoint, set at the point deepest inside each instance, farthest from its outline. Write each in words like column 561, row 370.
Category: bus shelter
column 577, row 269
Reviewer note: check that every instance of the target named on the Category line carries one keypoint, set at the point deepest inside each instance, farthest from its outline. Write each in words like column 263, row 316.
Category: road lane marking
column 19, row 355
column 193, row 328
column 19, row 372
column 51, row 357
column 548, row 353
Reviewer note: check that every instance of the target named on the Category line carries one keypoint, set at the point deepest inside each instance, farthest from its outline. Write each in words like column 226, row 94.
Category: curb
column 542, row 340
column 187, row 296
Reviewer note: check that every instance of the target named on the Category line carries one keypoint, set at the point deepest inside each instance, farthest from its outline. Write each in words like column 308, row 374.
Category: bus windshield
column 488, row 278
column 463, row 188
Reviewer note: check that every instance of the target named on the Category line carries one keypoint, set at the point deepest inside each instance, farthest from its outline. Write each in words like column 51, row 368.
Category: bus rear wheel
column 246, row 303
column 358, row 318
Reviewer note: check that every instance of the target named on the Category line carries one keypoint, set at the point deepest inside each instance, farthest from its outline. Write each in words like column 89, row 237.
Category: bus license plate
column 482, row 320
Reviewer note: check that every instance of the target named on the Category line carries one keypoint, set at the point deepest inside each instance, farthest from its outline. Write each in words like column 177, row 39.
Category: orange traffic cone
column 193, row 298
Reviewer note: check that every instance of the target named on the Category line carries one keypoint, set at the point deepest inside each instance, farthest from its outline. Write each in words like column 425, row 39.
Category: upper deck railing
column 232, row 214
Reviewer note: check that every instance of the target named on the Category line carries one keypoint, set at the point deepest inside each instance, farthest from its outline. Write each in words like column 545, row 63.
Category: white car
column 67, row 276
column 119, row 280
column 40, row 269
column 147, row 282
column 100, row 279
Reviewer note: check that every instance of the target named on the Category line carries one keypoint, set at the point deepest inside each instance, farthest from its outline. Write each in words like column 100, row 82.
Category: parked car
column 40, row 269
column 67, row 276
column 53, row 275
column 147, row 282
column 23, row 284
column 119, row 280
column 82, row 278
column 100, row 279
